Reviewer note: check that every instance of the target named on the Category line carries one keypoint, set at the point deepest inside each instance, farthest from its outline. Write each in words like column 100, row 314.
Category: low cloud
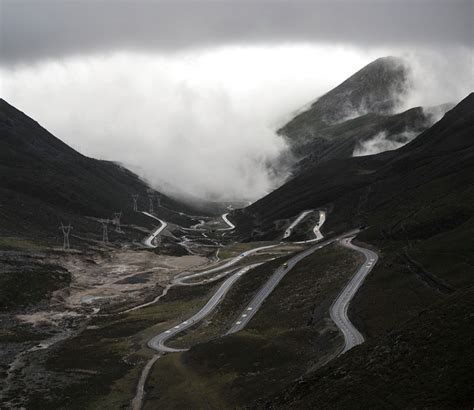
column 381, row 142
column 438, row 76
column 202, row 123
column 196, row 123
column 33, row 30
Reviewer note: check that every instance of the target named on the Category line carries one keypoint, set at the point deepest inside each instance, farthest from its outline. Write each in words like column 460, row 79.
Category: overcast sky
column 190, row 93
column 35, row 29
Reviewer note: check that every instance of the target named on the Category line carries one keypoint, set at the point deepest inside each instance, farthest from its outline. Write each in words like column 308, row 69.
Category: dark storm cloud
column 37, row 29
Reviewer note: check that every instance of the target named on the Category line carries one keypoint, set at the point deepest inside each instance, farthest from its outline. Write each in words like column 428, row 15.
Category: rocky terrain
column 77, row 321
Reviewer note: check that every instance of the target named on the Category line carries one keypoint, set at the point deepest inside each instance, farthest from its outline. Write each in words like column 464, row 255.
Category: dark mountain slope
column 43, row 180
column 414, row 307
column 341, row 140
column 418, row 202
column 427, row 363
column 358, row 117
column 376, row 88
column 363, row 185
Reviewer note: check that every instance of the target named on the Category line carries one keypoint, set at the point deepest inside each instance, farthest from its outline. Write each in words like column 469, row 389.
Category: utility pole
column 135, row 202
column 116, row 221
column 150, row 200
column 158, row 201
column 105, row 234
column 66, row 230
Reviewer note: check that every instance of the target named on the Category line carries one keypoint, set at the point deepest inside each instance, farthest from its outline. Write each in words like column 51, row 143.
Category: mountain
column 377, row 88
column 343, row 140
column 427, row 363
column 359, row 117
column 361, row 186
column 44, row 182
column 416, row 205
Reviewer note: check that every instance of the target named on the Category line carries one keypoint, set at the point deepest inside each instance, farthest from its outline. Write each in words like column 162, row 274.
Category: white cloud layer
column 201, row 122
column 197, row 123
column 439, row 76
column 380, row 143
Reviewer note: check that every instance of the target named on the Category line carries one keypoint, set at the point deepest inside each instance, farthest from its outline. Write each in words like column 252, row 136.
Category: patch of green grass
column 121, row 391
column 449, row 255
column 21, row 244
column 171, row 378
column 291, row 334
column 395, row 291
column 218, row 322
column 19, row 334
column 102, row 365
column 24, row 284
column 234, row 249
column 426, row 363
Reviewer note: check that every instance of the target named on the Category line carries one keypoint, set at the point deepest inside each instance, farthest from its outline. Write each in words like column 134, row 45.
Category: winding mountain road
column 296, row 222
column 338, row 310
column 231, row 225
column 317, row 229
column 157, row 343
column 252, row 308
column 230, row 263
column 149, row 240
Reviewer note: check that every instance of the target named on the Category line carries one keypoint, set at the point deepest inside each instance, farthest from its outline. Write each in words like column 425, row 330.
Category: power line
column 66, row 230
column 116, row 221
column 135, row 202
column 105, row 233
column 150, row 200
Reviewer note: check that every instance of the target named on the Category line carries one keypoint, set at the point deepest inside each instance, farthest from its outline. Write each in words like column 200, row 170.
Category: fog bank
column 200, row 123
column 203, row 123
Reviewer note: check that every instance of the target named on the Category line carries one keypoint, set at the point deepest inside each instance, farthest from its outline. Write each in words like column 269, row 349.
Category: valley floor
column 88, row 344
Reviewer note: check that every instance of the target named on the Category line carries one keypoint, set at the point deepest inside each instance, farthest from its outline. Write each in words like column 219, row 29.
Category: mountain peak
column 376, row 88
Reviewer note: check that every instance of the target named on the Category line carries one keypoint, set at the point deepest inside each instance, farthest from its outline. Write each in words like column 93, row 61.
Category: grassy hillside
column 427, row 363
column 289, row 335
column 376, row 88
column 340, row 140
column 359, row 113
column 44, row 181
column 418, row 204
column 374, row 190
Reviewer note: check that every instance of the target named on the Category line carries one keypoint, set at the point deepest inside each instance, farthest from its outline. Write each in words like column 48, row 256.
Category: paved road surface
column 158, row 342
column 149, row 240
column 338, row 311
column 231, row 225
column 196, row 227
column 230, row 263
column 316, row 230
column 255, row 304
column 295, row 222
column 140, row 392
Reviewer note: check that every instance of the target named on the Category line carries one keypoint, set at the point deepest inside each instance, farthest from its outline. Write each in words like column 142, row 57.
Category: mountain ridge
column 360, row 116
column 38, row 171
column 362, row 171
column 375, row 88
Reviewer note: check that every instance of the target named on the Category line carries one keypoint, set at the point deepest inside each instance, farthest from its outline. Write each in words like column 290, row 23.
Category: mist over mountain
column 45, row 182
column 363, row 115
column 222, row 106
column 331, row 183
column 236, row 204
column 417, row 207
column 377, row 88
